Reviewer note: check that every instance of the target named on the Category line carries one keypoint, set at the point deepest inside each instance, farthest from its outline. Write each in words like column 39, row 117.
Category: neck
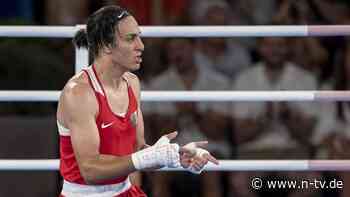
column 109, row 74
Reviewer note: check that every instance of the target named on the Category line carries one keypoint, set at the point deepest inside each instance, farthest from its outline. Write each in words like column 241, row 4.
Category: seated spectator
column 309, row 54
column 200, row 120
column 227, row 56
column 273, row 130
column 274, row 73
column 339, row 142
column 184, row 74
column 305, row 52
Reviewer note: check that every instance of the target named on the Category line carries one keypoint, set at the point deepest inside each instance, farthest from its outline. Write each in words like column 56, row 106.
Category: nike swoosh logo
column 103, row 126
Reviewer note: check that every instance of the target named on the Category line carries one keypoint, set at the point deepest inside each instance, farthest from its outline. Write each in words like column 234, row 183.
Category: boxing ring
column 176, row 96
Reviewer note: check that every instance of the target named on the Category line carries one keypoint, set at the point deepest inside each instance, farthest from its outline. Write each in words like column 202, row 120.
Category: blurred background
column 254, row 130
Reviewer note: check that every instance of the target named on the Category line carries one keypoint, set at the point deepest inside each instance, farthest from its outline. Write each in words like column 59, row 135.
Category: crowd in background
column 235, row 130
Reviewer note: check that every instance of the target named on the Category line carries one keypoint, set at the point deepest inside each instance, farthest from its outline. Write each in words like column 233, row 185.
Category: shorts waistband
column 78, row 190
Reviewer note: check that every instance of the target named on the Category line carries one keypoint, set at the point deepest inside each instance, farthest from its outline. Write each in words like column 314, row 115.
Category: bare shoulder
column 77, row 95
column 77, row 86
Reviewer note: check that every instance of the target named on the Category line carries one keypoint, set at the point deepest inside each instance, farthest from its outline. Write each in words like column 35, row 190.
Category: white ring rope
column 188, row 31
column 225, row 165
column 165, row 96
column 196, row 31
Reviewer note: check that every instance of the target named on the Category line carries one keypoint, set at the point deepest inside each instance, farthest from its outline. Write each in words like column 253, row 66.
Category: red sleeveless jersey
column 117, row 133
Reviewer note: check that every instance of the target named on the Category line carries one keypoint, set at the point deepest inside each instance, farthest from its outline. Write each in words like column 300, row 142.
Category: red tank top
column 117, row 133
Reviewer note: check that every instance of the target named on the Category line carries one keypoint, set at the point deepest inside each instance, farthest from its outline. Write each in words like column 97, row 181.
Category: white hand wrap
column 199, row 153
column 162, row 154
column 163, row 140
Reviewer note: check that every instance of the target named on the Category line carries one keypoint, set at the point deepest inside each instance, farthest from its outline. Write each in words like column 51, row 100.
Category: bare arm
column 248, row 129
column 299, row 124
column 79, row 109
column 317, row 54
column 140, row 129
column 140, row 137
column 188, row 156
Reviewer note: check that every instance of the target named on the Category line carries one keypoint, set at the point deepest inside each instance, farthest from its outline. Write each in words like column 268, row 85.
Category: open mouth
column 138, row 60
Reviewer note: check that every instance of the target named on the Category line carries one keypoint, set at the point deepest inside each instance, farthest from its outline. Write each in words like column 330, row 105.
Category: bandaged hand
column 161, row 154
column 194, row 159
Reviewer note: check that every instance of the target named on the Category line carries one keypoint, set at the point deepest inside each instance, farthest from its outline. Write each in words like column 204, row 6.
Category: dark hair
column 100, row 29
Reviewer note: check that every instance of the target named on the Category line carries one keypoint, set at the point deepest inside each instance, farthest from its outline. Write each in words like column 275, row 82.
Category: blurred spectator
column 219, row 12
column 151, row 67
column 65, row 12
column 309, row 54
column 305, row 52
column 199, row 121
column 335, row 45
column 295, row 13
column 273, row 130
column 226, row 56
column 255, row 12
column 339, row 142
column 184, row 74
column 333, row 126
column 274, row 73
column 331, row 11
column 313, row 12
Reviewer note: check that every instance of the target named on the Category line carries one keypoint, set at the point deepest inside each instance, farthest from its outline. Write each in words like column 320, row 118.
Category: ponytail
column 80, row 39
